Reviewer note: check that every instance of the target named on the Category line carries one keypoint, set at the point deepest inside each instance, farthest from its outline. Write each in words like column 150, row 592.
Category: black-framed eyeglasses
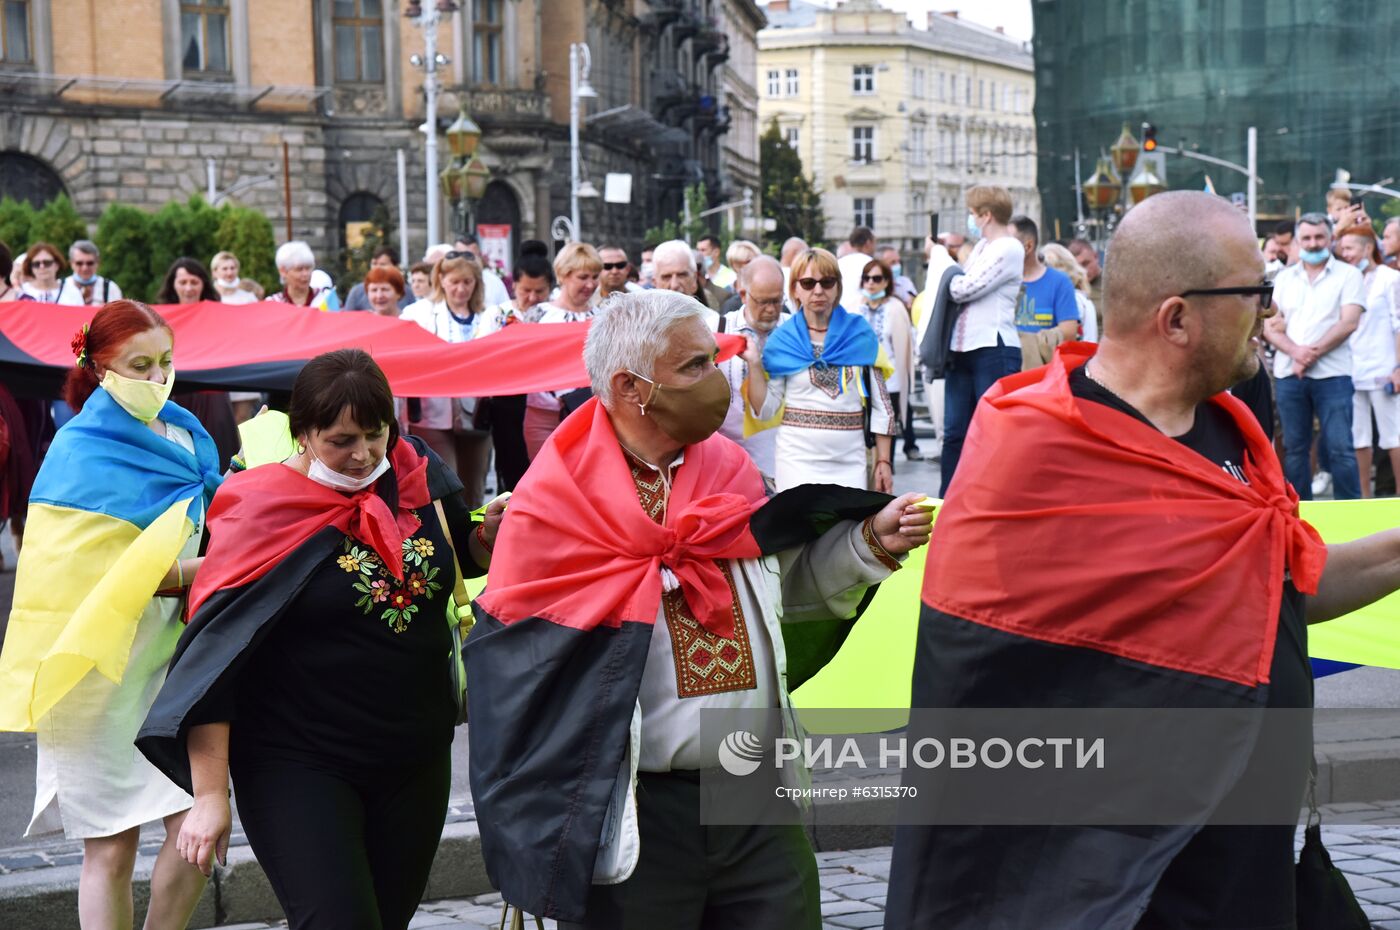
column 614, row 266
column 828, row 283
column 1265, row 293
column 872, row 278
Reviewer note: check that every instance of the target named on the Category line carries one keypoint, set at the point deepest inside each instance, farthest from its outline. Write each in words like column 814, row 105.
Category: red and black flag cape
column 1084, row 559
column 262, row 346
column 555, row 661
column 270, row 529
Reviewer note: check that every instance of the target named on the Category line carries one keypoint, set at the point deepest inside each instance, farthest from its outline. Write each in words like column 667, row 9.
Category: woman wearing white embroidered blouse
column 985, row 347
column 453, row 313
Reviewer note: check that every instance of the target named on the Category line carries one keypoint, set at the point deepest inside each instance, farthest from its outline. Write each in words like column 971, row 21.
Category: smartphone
column 933, row 226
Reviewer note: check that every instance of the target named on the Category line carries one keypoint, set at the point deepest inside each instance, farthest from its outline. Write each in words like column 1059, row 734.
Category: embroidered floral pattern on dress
column 380, row 590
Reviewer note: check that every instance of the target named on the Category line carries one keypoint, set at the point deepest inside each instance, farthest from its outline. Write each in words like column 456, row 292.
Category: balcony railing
column 140, row 92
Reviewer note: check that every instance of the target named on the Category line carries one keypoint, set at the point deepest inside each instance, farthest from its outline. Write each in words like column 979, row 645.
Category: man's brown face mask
column 688, row 414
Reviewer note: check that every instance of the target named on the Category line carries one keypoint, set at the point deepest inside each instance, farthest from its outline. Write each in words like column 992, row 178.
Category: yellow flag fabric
column 266, row 438
column 875, row 665
column 82, row 583
column 1371, row 635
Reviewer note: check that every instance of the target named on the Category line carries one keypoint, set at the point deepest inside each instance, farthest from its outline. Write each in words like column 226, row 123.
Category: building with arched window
column 893, row 119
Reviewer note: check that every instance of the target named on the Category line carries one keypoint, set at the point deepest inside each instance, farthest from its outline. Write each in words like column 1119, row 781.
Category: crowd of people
column 311, row 672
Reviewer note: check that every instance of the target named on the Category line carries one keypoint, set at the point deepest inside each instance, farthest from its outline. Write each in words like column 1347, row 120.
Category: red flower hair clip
column 79, row 346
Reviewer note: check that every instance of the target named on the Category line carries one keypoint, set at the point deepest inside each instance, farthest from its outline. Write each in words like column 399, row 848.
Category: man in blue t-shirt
column 1047, row 313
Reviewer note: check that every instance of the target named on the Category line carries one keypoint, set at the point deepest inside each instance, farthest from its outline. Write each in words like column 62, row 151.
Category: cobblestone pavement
column 854, row 882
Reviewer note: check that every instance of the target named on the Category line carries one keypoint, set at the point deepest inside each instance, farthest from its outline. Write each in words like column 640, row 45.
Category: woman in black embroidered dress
column 336, row 567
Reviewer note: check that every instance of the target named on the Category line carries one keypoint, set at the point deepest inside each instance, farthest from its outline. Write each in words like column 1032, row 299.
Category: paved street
column 854, row 884
column 854, row 881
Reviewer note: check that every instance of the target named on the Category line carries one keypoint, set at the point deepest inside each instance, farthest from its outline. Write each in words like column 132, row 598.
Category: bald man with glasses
column 1120, row 535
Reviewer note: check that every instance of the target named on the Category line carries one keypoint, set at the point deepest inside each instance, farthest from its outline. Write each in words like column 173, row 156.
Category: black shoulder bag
column 1324, row 898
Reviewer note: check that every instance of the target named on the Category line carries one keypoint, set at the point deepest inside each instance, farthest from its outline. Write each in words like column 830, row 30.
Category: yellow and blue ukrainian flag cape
column 111, row 508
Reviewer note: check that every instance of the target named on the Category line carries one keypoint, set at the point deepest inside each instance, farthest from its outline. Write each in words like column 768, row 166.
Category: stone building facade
column 896, row 120
column 106, row 112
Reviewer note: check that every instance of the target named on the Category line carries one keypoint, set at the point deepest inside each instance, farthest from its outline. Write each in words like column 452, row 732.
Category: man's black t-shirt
column 1215, row 436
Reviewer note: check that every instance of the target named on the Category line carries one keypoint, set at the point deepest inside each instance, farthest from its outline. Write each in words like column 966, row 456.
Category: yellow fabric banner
column 1371, row 635
column 82, row 583
column 875, row 665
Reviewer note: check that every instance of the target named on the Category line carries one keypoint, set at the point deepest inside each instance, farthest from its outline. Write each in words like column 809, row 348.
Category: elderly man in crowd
column 676, row 270
column 761, row 290
column 669, row 588
column 1320, row 301
column 85, row 287
column 1201, row 604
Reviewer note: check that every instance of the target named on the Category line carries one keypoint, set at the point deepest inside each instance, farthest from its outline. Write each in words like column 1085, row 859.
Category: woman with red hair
column 384, row 289
column 114, row 525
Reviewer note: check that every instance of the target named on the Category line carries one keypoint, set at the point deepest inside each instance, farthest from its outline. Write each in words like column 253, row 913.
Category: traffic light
column 1149, row 137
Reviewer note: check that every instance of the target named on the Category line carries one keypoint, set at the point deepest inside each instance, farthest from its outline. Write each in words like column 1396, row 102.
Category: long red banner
column 261, row 347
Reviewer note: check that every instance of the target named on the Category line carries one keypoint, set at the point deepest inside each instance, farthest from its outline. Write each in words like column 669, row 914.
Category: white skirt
column 91, row 780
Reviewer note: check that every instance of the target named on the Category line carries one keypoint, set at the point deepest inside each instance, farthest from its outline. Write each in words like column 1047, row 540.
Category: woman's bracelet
column 481, row 537
column 179, row 575
column 883, row 462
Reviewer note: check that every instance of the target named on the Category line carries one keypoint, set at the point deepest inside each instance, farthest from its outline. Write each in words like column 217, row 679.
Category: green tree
column 181, row 230
column 789, row 199
column 247, row 233
column 58, row 223
column 16, row 216
column 124, row 237
column 676, row 228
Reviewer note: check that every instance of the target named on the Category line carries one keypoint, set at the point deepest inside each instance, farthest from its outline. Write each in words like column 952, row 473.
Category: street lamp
column 1125, row 152
column 580, row 63
column 1145, row 185
column 429, row 62
column 464, row 181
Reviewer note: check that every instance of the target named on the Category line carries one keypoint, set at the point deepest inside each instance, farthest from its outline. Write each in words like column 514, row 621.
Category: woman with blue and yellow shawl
column 114, row 525
column 821, row 377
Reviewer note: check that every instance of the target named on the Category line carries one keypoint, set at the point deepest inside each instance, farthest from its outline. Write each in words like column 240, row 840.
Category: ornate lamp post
column 464, row 181
column 1125, row 153
column 1145, row 185
column 1102, row 191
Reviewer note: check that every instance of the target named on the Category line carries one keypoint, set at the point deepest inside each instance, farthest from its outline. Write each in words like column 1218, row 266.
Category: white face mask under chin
column 321, row 473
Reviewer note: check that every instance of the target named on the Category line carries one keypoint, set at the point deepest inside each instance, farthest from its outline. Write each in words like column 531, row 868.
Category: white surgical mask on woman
column 321, row 473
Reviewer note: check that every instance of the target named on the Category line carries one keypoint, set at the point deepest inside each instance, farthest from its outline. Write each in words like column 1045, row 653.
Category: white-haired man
column 760, row 311
column 677, row 270
column 85, row 287
column 642, row 581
